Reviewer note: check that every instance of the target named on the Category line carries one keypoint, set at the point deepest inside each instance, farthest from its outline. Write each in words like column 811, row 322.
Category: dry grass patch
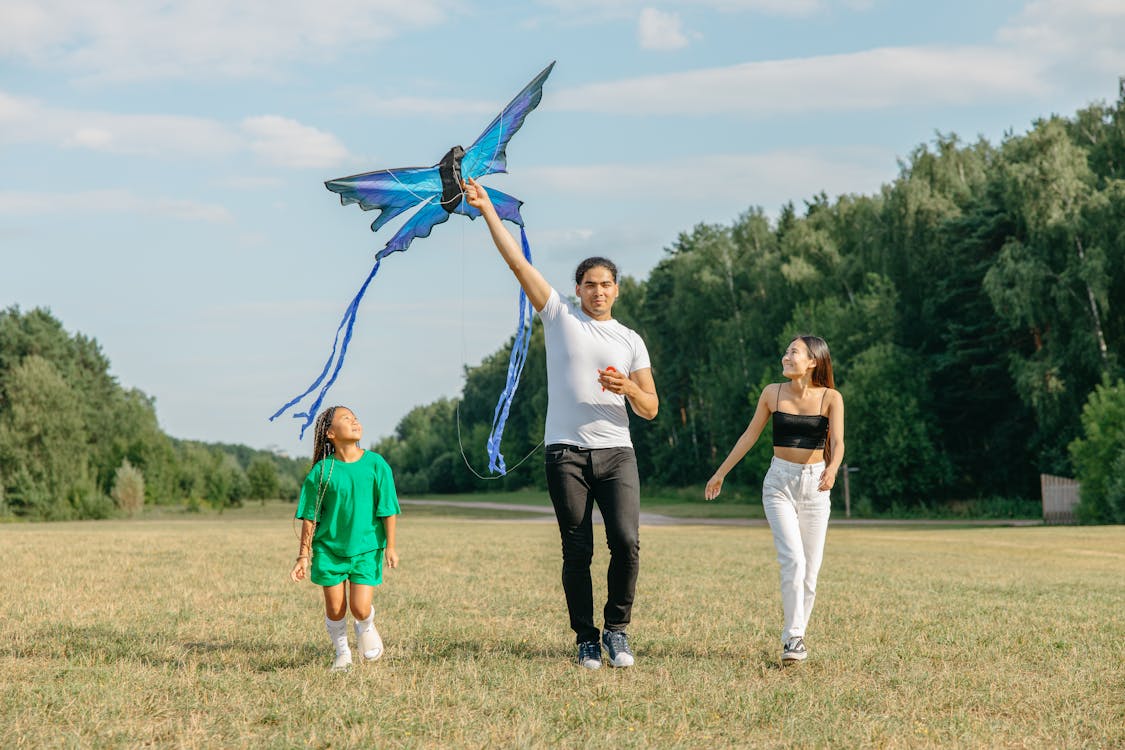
column 186, row 633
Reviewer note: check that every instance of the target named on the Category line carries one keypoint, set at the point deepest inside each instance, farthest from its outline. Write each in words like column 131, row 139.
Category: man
column 594, row 365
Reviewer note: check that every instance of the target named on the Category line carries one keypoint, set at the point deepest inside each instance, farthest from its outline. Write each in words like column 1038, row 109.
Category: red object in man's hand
column 611, row 368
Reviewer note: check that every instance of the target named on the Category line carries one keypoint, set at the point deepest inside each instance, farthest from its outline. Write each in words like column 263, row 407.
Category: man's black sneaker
column 590, row 655
column 617, row 645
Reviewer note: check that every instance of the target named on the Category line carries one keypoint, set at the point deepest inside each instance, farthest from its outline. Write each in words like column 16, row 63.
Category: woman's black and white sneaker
column 590, row 655
column 617, row 645
column 794, row 650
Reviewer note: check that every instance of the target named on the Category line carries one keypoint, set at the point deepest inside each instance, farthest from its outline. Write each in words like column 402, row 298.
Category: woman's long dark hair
column 821, row 375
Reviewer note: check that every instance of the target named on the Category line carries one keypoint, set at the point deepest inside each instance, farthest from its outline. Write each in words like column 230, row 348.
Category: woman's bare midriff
column 799, row 455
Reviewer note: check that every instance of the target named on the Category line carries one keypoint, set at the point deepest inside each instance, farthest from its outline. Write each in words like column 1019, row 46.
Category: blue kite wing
column 419, row 225
column 507, row 207
column 392, row 191
column 487, row 154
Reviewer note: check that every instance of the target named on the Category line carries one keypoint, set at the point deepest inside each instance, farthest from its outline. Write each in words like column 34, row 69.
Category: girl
column 348, row 507
column 808, row 446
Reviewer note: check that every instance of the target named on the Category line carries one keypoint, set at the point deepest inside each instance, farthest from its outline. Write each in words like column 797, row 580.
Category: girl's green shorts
column 365, row 569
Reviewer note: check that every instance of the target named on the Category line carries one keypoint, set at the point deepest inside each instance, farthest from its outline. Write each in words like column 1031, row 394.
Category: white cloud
column 1078, row 34
column 24, row 120
column 139, row 39
column 729, row 180
column 872, row 79
column 16, row 203
column 588, row 11
column 250, row 182
column 800, row 8
column 96, row 139
column 657, row 30
column 287, row 143
column 364, row 100
column 276, row 140
column 556, row 238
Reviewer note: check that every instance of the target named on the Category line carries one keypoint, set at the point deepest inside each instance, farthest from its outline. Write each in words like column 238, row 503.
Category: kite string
column 423, row 199
column 469, row 466
column 518, row 358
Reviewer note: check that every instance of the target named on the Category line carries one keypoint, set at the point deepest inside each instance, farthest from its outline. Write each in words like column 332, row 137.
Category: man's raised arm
column 533, row 283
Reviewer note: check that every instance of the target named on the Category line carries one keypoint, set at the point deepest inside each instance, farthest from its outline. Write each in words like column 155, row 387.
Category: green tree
column 1099, row 455
column 1052, row 277
column 889, row 436
column 261, row 477
column 42, row 434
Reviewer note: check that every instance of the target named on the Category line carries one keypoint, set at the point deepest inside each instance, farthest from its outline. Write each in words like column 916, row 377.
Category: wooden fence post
column 1060, row 496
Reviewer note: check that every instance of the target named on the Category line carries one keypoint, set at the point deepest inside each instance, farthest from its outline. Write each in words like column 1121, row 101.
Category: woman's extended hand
column 392, row 557
column 827, row 479
column 714, row 487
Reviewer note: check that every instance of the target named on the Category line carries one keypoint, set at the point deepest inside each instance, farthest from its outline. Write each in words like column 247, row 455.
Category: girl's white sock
column 363, row 625
column 338, row 632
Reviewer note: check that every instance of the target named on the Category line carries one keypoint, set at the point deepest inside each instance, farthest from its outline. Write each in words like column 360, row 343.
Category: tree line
column 75, row 444
column 973, row 307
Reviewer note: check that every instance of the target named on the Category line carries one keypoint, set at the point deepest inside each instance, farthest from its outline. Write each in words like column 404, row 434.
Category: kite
column 437, row 192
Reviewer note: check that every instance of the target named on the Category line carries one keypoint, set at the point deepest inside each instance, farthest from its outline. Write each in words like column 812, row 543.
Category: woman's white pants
column 798, row 515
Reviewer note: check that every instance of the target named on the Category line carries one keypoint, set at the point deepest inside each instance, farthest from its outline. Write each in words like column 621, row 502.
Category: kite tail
column 346, row 325
column 515, row 370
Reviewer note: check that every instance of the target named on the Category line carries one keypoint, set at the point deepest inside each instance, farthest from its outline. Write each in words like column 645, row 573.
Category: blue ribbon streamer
column 516, row 361
column 346, row 325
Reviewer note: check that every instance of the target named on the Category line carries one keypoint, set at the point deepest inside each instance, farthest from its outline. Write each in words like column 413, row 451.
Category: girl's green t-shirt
column 356, row 498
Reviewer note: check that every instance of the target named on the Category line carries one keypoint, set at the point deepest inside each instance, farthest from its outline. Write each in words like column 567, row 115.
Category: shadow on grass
column 439, row 649
column 100, row 645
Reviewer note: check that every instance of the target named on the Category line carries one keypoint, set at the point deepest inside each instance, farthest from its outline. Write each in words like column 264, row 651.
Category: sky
column 162, row 164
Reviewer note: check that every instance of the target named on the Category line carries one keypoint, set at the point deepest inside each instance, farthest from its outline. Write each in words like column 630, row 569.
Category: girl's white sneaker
column 343, row 661
column 370, row 644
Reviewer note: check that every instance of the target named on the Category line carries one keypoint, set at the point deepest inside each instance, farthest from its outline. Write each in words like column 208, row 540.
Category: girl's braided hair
column 322, row 446
column 322, row 449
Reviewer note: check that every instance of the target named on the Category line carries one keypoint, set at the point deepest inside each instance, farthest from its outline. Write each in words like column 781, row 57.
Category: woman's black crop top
column 799, row 430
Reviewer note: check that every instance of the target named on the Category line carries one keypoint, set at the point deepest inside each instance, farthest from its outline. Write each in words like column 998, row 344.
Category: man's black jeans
column 576, row 479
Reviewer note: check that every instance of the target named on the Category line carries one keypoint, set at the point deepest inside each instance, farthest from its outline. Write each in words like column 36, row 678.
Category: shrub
column 128, row 488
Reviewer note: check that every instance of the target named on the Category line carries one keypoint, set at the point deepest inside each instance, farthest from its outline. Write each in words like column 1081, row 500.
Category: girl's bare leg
column 335, row 602
column 361, row 596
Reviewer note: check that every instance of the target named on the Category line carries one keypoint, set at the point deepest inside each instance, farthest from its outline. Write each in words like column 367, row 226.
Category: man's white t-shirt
column 579, row 411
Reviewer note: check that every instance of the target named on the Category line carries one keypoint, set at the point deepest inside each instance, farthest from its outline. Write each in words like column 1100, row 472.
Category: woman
column 808, row 446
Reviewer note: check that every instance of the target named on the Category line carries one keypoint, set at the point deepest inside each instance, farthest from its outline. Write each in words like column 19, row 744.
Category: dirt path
column 657, row 519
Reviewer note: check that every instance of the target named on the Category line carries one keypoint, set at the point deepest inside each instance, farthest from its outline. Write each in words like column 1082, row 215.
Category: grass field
column 184, row 632
column 676, row 504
